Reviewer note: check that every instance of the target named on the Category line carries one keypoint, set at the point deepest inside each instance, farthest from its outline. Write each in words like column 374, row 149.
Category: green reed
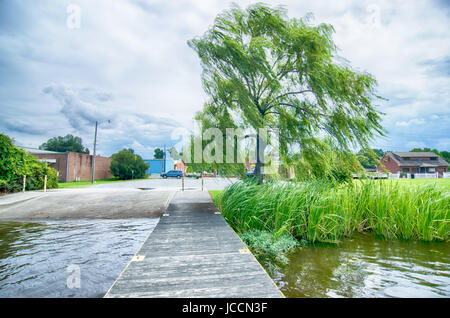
column 323, row 212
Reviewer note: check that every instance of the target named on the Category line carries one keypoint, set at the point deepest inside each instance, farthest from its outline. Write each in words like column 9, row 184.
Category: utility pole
column 164, row 158
column 95, row 144
column 93, row 157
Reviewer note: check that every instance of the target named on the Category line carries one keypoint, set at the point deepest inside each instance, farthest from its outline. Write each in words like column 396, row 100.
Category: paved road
column 172, row 184
column 110, row 201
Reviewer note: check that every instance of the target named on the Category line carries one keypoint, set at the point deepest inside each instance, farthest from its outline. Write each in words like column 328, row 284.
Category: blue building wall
column 157, row 165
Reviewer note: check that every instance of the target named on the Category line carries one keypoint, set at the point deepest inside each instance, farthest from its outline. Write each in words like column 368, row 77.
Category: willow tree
column 263, row 69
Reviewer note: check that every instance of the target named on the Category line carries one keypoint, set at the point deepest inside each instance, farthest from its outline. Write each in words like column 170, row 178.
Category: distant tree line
column 63, row 144
column 158, row 154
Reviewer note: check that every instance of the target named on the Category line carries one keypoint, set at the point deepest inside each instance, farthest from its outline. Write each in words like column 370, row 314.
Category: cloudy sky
column 128, row 61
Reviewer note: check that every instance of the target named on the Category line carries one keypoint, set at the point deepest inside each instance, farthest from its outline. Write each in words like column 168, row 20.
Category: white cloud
column 415, row 144
column 414, row 121
column 129, row 62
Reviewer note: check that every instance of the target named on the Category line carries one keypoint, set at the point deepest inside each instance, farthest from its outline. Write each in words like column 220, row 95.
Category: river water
column 366, row 266
column 45, row 259
column 37, row 259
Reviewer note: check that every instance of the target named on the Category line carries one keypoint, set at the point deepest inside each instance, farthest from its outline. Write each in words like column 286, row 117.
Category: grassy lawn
column 83, row 184
column 443, row 183
column 215, row 194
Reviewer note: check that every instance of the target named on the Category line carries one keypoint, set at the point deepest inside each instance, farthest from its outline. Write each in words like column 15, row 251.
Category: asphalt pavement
column 132, row 199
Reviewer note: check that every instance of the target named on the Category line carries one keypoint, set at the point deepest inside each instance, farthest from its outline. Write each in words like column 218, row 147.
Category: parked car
column 172, row 174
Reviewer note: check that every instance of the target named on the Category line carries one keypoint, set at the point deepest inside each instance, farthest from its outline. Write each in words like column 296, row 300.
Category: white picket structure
column 394, row 175
column 426, row 175
column 399, row 175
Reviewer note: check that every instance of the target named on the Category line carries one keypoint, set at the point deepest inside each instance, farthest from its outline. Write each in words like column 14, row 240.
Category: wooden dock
column 193, row 252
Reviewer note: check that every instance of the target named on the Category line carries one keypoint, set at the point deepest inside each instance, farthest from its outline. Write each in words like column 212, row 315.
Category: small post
column 202, row 180
column 93, row 156
column 182, row 183
column 24, row 181
column 45, row 183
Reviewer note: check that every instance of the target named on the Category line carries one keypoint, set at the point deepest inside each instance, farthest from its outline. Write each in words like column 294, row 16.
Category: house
column 73, row 166
column 180, row 165
column 250, row 165
column 413, row 162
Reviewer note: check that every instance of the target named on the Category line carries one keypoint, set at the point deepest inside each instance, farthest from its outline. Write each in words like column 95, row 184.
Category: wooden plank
column 193, row 252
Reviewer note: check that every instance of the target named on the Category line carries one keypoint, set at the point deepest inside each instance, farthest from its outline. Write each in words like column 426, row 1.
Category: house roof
column 35, row 151
column 418, row 159
column 416, row 154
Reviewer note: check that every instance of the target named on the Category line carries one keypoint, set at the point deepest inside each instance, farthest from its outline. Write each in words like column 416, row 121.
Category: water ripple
column 34, row 257
column 366, row 266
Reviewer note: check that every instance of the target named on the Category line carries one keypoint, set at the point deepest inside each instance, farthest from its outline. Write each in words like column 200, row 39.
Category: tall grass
column 322, row 212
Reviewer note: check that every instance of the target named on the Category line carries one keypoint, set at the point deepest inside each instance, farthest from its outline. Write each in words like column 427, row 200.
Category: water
column 366, row 266
column 35, row 257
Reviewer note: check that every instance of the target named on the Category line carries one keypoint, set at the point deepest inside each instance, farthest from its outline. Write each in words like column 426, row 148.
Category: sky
column 66, row 64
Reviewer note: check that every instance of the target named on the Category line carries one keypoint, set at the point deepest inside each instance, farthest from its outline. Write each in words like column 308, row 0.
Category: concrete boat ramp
column 193, row 252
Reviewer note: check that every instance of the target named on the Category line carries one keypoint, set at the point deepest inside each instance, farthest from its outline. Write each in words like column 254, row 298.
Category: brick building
column 73, row 166
column 413, row 162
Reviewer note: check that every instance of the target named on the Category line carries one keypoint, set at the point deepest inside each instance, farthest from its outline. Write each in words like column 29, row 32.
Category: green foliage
column 446, row 156
column 215, row 195
column 318, row 211
column 126, row 165
column 264, row 70
column 369, row 158
column 15, row 163
column 426, row 150
column 269, row 248
column 159, row 154
column 63, row 144
column 3, row 186
column 324, row 161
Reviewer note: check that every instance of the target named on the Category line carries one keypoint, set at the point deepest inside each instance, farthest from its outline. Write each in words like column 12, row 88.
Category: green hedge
column 15, row 163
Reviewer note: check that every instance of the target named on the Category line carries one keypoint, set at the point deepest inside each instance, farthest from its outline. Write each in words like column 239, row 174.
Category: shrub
column 15, row 163
column 126, row 165
column 3, row 186
column 269, row 248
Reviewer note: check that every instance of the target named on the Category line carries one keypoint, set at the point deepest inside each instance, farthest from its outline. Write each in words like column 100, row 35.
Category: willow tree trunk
column 261, row 145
